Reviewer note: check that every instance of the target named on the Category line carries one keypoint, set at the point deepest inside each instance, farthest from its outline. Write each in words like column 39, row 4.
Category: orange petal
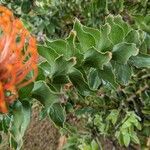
column 3, row 107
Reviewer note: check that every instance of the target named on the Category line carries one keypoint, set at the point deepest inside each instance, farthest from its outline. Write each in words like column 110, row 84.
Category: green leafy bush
column 93, row 84
column 55, row 17
column 96, row 73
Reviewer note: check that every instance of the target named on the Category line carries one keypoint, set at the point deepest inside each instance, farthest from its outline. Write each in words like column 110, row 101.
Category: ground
column 41, row 135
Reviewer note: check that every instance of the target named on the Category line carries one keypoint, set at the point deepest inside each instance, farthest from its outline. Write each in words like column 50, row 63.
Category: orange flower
column 18, row 58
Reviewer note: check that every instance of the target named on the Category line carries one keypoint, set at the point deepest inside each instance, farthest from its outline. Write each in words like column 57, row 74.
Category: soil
column 41, row 135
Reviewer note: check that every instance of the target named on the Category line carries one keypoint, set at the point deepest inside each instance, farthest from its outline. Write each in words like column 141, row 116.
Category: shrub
column 93, row 84
column 55, row 18
column 96, row 75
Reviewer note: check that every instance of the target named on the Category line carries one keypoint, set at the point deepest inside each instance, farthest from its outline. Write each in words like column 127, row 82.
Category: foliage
column 55, row 17
column 97, row 74
column 93, row 84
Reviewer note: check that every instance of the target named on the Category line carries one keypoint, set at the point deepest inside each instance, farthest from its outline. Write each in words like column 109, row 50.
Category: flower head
column 18, row 57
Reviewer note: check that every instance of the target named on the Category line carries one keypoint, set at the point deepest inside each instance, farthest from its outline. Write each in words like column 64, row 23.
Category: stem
column 99, row 143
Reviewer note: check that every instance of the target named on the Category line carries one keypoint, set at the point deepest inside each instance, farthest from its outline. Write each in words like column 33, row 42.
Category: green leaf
column 143, row 48
column 94, row 32
column 146, row 130
column 25, row 91
column 57, row 114
column 46, row 68
column 60, row 69
column 76, row 77
column 48, row 53
column 134, row 138
column 123, row 51
column 113, row 116
column 147, row 41
column 84, row 146
column 86, row 40
column 43, row 93
column 142, row 22
column 107, row 75
column 126, row 139
column 26, row 6
column 123, row 72
column 116, row 34
column 104, row 44
column 133, row 37
column 41, row 75
column 119, row 136
column 71, row 47
column 21, row 118
column 84, row 111
column 93, row 79
column 4, row 123
column 140, row 61
column 119, row 21
column 60, row 46
column 43, row 113
column 96, row 59
column 94, row 145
